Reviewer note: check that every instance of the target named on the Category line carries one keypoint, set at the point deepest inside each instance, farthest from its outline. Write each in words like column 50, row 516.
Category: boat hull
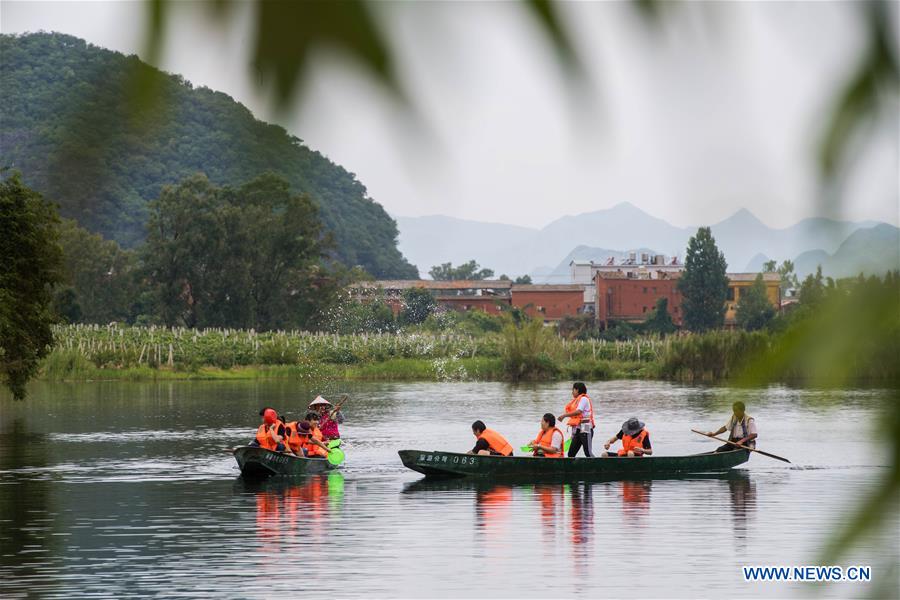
column 452, row 464
column 256, row 463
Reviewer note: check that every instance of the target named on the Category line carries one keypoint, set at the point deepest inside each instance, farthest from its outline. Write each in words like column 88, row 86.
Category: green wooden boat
column 454, row 464
column 256, row 462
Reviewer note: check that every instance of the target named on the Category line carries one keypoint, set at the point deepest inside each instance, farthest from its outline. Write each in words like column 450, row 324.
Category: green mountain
column 77, row 127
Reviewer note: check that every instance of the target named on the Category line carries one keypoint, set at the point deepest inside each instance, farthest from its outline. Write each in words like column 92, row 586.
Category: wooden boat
column 454, row 464
column 258, row 462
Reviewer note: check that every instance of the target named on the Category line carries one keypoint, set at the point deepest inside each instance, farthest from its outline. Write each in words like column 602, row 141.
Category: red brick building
column 549, row 302
column 487, row 295
column 631, row 299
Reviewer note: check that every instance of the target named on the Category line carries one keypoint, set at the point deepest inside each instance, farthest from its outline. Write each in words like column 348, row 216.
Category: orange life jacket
column 265, row 437
column 293, row 438
column 573, row 406
column 631, row 442
column 545, row 438
column 496, row 442
column 313, row 449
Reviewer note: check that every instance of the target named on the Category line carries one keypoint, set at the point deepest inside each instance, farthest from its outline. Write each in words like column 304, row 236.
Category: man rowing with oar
column 741, row 429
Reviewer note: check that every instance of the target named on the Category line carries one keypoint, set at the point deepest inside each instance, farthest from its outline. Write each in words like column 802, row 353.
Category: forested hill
column 72, row 126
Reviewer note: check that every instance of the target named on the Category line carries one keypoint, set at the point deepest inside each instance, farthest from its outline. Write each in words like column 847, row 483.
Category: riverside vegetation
column 511, row 347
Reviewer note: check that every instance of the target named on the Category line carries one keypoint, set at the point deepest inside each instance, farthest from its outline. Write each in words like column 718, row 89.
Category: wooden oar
column 338, row 406
column 776, row 457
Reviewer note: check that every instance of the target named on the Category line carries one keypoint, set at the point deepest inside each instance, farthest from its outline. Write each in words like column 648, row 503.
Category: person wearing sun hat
column 329, row 418
column 635, row 440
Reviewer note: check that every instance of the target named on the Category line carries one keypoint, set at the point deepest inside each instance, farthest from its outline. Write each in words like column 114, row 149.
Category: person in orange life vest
column 270, row 435
column 635, row 440
column 580, row 412
column 295, row 437
column 741, row 429
column 315, row 447
column 549, row 441
column 489, row 441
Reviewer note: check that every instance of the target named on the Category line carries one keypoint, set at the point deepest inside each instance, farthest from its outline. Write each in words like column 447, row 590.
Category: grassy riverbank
column 516, row 354
column 93, row 352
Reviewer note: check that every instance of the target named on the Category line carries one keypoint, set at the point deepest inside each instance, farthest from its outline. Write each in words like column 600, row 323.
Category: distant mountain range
column 545, row 253
column 875, row 250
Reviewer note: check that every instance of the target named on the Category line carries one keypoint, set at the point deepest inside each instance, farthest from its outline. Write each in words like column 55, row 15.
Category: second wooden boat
column 454, row 464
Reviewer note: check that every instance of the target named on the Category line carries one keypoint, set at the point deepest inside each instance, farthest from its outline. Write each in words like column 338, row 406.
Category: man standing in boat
column 580, row 412
column 329, row 418
column 741, row 429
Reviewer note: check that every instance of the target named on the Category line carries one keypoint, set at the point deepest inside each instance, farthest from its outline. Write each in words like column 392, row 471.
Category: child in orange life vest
column 315, row 447
column 635, row 440
column 296, row 433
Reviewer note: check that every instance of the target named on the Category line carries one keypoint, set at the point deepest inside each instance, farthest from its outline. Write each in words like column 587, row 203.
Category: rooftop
column 463, row 284
column 752, row 276
column 568, row 287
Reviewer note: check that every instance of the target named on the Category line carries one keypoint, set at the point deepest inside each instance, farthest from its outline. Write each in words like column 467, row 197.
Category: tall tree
column 812, row 290
column 703, row 283
column 31, row 266
column 660, row 321
column 251, row 256
column 187, row 255
column 754, row 311
column 468, row 270
column 788, row 277
column 283, row 246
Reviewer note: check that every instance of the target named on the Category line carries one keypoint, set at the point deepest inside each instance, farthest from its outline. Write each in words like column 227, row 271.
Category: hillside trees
column 469, row 270
column 75, row 130
column 101, row 278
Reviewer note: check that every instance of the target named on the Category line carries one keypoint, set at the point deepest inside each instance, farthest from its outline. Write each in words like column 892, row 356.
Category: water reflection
column 492, row 506
column 290, row 511
column 742, row 490
column 635, row 498
column 25, row 516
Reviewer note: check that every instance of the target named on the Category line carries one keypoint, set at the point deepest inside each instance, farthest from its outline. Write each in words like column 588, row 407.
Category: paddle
column 338, row 406
column 333, row 443
column 742, row 446
column 335, row 456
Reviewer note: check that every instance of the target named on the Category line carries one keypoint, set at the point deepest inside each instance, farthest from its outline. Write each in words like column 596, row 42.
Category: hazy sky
column 718, row 110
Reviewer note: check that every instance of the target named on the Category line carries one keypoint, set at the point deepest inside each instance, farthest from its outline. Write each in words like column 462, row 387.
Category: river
column 122, row 489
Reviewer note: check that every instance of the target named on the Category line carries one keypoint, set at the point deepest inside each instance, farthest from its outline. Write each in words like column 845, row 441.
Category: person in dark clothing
column 635, row 440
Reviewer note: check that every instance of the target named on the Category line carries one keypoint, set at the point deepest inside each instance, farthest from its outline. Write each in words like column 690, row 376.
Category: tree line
column 253, row 256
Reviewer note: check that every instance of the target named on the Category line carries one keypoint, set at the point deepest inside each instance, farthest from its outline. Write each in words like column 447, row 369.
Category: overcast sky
column 719, row 110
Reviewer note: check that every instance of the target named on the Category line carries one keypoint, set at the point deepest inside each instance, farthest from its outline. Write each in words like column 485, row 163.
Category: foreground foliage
column 31, row 264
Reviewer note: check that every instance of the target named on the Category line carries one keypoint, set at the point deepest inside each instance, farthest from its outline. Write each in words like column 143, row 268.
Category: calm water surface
column 118, row 489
